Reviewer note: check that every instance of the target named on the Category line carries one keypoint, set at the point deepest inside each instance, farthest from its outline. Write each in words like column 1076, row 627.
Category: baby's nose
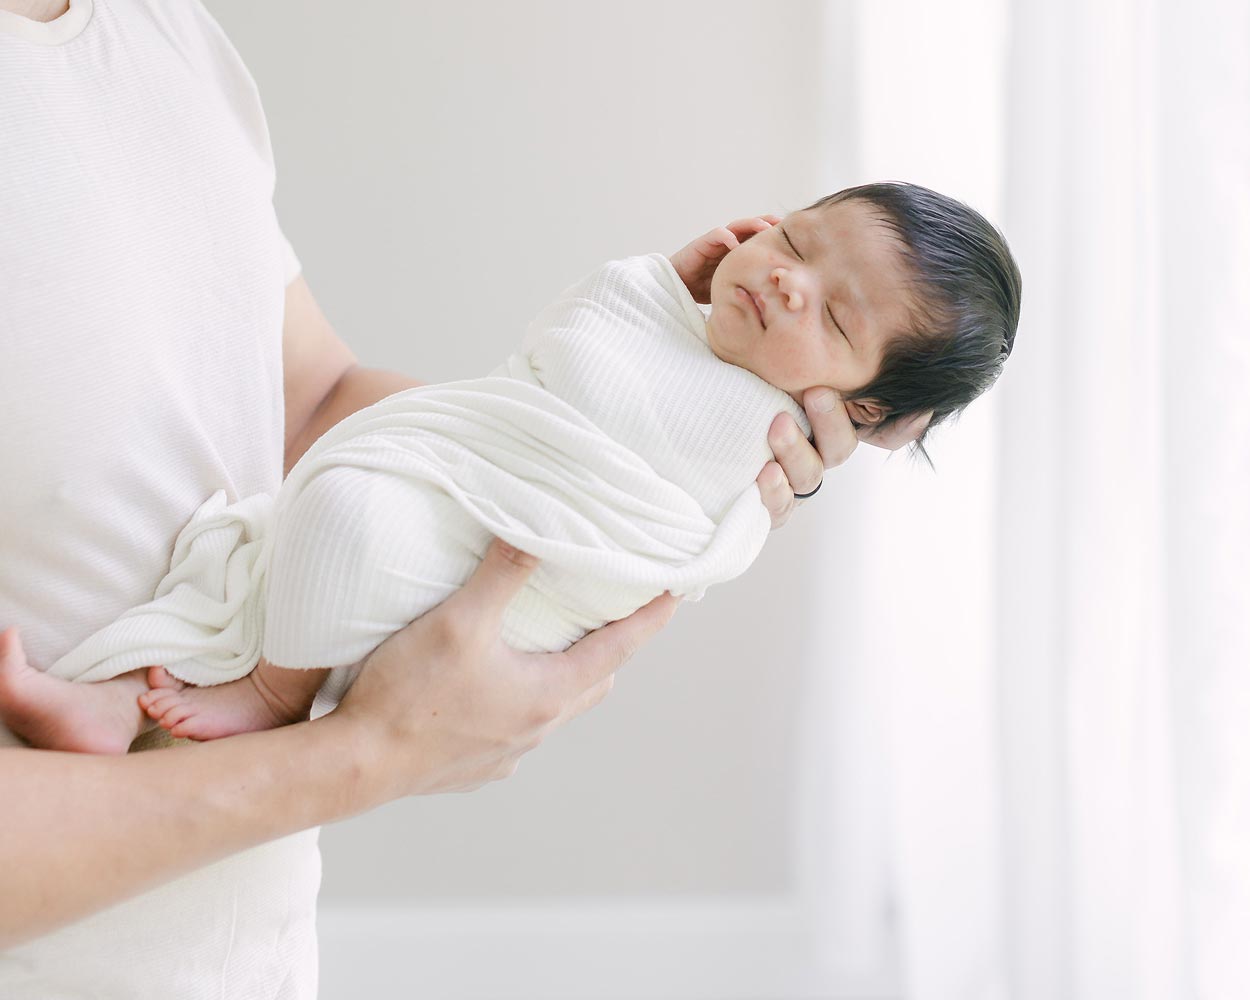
column 791, row 294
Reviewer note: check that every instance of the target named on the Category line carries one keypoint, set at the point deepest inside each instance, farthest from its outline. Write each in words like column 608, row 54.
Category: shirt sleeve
column 218, row 60
column 291, row 266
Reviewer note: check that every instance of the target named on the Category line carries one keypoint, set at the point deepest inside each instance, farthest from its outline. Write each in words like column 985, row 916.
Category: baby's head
column 903, row 300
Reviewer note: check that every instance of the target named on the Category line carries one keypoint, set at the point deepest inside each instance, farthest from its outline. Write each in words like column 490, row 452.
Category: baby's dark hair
column 966, row 305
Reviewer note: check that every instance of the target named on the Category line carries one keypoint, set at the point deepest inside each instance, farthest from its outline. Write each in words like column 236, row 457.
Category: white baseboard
column 736, row 949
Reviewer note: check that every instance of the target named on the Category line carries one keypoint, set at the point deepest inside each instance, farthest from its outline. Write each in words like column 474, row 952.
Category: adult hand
column 445, row 705
column 696, row 262
column 800, row 466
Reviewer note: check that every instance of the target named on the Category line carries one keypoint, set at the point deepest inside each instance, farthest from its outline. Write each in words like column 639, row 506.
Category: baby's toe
column 161, row 679
column 157, row 703
column 175, row 714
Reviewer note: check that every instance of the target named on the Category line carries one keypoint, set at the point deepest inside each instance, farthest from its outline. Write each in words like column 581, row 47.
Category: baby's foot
column 56, row 714
column 243, row 706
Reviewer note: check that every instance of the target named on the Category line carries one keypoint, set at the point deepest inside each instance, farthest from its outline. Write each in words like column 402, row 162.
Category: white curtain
column 1051, row 636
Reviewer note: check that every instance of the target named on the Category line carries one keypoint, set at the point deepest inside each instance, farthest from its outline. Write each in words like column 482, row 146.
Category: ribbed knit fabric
column 615, row 446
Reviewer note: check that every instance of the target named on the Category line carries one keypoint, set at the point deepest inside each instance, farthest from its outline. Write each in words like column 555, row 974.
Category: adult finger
column 12, row 652
column 591, row 660
column 495, row 582
column 587, row 701
column 798, row 459
column 775, row 494
column 832, row 431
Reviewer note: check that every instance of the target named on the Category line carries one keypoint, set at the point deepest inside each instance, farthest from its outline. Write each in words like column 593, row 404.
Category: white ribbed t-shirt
column 142, row 272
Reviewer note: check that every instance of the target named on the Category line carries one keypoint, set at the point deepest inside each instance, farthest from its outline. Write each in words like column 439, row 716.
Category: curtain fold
column 1203, row 155
column 1062, row 613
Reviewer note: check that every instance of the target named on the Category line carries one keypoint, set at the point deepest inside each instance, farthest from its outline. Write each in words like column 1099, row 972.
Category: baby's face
column 813, row 301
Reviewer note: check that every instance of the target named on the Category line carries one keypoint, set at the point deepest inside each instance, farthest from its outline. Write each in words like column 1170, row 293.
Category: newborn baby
column 620, row 445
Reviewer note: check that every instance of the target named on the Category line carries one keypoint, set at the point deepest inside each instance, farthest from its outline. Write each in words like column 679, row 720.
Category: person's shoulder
column 185, row 25
column 199, row 40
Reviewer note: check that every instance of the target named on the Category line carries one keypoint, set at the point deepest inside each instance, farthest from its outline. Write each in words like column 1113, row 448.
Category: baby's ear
column 867, row 412
column 903, row 430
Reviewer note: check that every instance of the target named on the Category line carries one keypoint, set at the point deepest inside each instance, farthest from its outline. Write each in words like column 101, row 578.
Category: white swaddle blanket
column 614, row 446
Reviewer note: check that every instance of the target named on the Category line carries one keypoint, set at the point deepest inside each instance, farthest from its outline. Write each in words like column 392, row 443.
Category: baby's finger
column 746, row 228
column 834, row 435
column 800, row 462
column 717, row 243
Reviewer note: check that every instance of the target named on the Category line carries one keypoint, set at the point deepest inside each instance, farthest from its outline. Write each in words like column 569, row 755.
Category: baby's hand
column 696, row 262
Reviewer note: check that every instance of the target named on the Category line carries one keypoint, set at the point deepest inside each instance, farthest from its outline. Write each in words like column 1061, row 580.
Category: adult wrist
column 369, row 774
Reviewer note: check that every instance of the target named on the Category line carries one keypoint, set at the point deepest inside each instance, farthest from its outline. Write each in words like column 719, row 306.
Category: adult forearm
column 357, row 388
column 92, row 831
column 442, row 705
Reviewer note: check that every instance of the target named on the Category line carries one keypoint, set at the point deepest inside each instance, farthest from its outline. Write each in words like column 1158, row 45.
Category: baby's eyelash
column 791, row 242
column 828, row 308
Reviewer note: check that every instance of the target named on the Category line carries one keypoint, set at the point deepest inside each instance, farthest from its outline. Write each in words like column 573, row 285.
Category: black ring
column 811, row 439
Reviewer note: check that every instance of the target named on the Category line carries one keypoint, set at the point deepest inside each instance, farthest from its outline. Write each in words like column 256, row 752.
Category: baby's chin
column 728, row 356
column 710, row 335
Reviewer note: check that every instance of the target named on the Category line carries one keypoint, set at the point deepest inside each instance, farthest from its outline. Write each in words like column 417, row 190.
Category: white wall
column 444, row 170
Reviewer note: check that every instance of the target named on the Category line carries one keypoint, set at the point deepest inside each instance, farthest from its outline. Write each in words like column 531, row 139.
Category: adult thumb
column 11, row 645
column 495, row 582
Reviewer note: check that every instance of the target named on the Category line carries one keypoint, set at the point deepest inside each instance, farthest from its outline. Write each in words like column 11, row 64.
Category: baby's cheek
column 790, row 367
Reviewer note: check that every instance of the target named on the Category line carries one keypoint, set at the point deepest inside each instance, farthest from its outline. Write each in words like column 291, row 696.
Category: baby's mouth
column 756, row 304
column 759, row 308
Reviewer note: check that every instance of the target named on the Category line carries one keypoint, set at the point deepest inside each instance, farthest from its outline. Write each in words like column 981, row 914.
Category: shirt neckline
column 55, row 32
